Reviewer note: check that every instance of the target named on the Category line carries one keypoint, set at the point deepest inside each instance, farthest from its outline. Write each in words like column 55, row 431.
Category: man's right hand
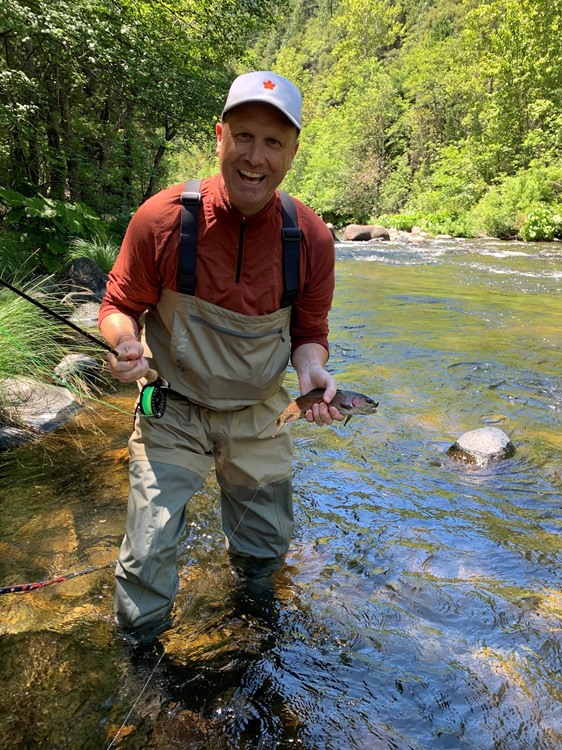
column 131, row 365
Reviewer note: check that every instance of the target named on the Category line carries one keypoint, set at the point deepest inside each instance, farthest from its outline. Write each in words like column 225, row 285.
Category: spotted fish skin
column 348, row 403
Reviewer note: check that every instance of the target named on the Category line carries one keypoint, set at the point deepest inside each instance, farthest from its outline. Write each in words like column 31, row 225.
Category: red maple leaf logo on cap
column 269, row 85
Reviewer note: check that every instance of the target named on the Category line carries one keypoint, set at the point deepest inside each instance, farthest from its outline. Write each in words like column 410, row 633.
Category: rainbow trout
column 346, row 402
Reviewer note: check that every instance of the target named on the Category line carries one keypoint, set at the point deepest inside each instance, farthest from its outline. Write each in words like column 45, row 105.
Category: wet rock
column 482, row 446
column 357, row 233
column 86, row 280
column 86, row 314
column 38, row 406
column 364, row 233
column 380, row 233
column 78, row 365
column 11, row 436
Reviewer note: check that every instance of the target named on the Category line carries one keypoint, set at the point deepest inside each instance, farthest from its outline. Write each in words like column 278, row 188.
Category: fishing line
column 39, row 366
column 152, row 402
column 60, row 318
column 181, row 619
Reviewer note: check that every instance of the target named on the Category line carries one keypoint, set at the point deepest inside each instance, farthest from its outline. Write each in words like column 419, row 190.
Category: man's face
column 256, row 145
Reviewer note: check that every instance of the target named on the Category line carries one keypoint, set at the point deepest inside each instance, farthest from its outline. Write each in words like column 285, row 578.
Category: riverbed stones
column 85, row 315
column 482, row 446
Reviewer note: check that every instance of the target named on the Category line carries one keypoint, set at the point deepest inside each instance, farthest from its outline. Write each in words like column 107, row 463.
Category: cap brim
column 262, row 100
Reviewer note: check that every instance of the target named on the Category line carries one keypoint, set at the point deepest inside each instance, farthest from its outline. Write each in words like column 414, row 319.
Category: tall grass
column 103, row 253
column 31, row 342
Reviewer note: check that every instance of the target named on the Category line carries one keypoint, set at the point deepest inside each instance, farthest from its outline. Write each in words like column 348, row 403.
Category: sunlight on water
column 419, row 606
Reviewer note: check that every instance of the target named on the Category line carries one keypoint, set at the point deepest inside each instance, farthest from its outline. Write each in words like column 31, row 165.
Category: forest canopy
column 95, row 91
column 445, row 113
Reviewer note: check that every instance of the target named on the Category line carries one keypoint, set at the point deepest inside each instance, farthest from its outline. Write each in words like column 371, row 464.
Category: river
column 420, row 605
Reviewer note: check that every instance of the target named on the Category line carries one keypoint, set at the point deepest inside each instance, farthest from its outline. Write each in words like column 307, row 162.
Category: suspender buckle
column 189, row 199
column 291, row 234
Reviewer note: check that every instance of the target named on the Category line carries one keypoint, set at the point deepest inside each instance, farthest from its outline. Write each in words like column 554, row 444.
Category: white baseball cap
column 268, row 87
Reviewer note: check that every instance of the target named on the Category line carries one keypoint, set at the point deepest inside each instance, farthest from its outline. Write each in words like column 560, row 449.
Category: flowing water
column 420, row 605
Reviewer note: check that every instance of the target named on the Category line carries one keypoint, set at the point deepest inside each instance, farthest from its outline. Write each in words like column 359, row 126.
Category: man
column 224, row 346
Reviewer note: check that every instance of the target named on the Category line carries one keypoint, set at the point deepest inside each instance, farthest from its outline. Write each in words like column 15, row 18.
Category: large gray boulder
column 365, row 232
column 39, row 407
column 482, row 446
column 86, row 281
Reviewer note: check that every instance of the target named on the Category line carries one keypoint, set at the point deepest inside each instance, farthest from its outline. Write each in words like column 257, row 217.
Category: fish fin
column 347, row 419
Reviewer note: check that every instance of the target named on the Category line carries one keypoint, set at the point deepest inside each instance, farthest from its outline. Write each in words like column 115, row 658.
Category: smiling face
column 256, row 145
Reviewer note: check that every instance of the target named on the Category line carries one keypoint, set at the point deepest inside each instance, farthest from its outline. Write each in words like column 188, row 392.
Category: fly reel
column 152, row 400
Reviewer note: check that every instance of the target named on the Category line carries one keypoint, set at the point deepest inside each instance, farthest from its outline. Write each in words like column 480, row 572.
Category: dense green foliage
column 48, row 225
column 446, row 111
column 93, row 95
column 433, row 108
column 94, row 91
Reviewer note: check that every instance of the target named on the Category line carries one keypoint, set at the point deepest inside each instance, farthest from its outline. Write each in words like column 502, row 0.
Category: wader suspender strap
column 291, row 235
column 190, row 199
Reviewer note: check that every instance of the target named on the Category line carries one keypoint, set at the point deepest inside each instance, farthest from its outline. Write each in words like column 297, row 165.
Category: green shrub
column 443, row 223
column 402, row 222
column 432, row 223
column 501, row 212
column 17, row 258
column 48, row 224
column 33, row 343
column 452, row 185
column 543, row 224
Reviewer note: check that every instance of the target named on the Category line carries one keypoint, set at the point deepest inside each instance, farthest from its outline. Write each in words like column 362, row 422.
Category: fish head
column 350, row 403
column 363, row 404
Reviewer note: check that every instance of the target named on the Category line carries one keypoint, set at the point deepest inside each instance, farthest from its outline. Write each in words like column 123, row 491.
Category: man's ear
column 296, row 148
column 218, row 131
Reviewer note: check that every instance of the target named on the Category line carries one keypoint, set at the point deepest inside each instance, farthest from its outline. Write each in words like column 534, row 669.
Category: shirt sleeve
column 135, row 282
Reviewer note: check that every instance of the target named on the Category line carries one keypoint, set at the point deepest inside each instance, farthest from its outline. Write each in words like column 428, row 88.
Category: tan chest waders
column 226, row 370
column 223, row 352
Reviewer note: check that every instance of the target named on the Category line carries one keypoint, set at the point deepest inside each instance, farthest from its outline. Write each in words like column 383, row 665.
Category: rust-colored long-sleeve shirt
column 239, row 261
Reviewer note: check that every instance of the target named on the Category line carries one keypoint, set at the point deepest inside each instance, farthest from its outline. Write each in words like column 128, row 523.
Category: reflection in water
column 419, row 606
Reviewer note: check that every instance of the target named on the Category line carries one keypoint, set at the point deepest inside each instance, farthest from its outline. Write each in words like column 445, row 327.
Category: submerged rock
column 482, row 446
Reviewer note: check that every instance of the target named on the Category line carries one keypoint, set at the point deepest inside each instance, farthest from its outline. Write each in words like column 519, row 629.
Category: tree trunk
column 169, row 135
column 33, row 161
column 74, row 185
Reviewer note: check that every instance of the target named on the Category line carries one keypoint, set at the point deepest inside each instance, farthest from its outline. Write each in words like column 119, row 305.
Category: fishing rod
column 152, row 401
column 24, row 587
